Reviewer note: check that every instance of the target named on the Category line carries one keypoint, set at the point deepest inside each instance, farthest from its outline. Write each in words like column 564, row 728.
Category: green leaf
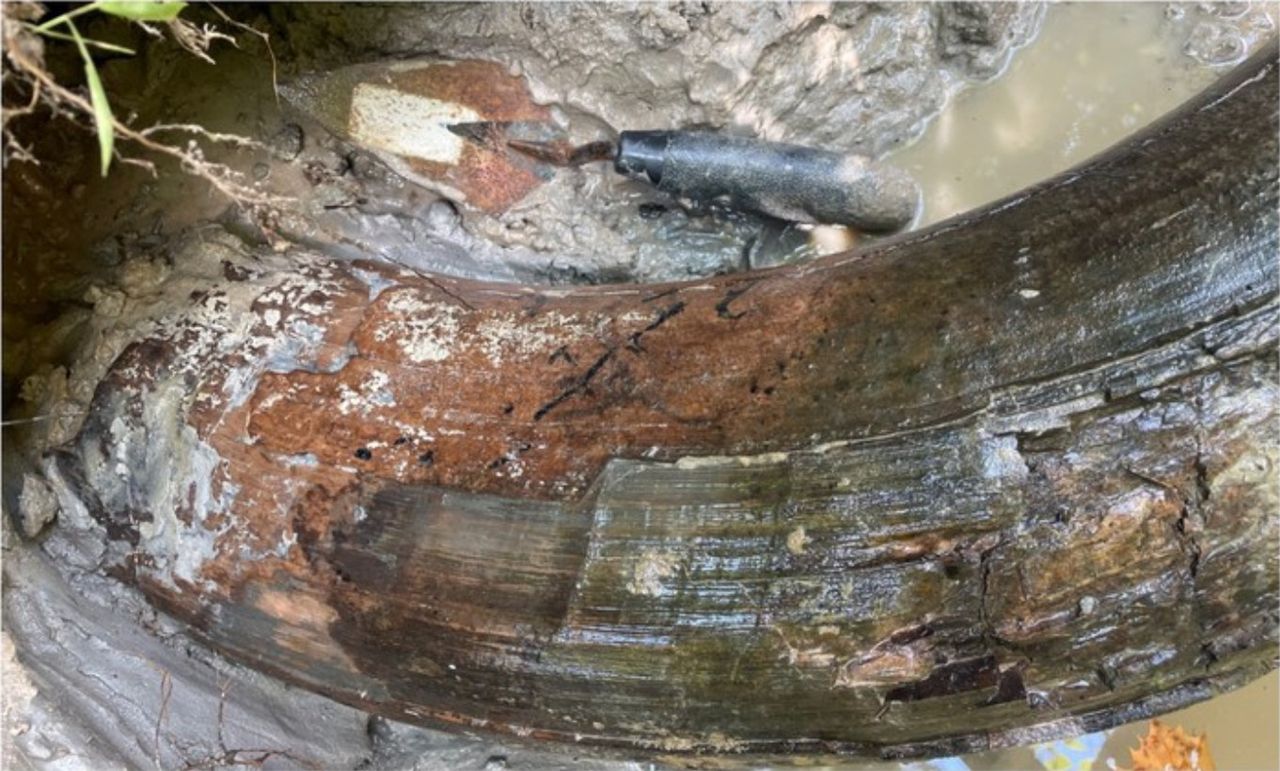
column 102, row 116
column 64, row 18
column 87, row 41
column 142, row 10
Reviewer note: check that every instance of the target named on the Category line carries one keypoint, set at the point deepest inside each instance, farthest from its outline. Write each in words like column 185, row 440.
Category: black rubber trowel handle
column 789, row 182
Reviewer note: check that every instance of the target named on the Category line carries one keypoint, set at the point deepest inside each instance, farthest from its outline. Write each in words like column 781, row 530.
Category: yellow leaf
column 1058, row 763
column 1171, row 748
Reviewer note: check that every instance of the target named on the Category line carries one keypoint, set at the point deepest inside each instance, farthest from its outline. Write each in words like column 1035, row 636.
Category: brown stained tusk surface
column 1007, row 478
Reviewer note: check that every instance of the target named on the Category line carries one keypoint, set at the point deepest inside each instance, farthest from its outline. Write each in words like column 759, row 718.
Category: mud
column 68, row 230
column 107, row 683
column 856, row 78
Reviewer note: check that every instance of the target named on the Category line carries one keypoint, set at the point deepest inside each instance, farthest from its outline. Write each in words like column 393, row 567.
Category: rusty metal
column 403, row 112
column 1007, row 478
column 563, row 153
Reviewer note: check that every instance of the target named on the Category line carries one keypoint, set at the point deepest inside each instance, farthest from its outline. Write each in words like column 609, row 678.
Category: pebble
column 37, row 505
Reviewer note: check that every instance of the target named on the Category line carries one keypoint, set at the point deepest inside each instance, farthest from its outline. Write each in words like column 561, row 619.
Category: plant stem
column 64, row 17
column 87, row 41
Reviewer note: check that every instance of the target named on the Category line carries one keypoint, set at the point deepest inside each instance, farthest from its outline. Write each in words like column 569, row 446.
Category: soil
column 856, row 78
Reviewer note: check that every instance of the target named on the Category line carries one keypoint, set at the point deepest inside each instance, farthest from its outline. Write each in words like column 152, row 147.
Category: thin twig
column 266, row 39
column 222, row 177
column 141, row 163
column 196, row 40
column 213, row 136
column 16, row 152
column 18, row 112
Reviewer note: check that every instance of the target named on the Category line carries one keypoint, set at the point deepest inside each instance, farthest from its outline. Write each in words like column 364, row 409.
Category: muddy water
column 1096, row 73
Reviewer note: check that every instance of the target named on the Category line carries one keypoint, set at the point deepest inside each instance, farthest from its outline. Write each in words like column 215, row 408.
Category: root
column 24, row 54
column 196, row 40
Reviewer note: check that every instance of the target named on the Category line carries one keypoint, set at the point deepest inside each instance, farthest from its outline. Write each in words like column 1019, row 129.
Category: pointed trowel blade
column 486, row 133
column 404, row 112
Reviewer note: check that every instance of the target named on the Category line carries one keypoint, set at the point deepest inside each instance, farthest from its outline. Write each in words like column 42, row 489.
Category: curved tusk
column 1008, row 477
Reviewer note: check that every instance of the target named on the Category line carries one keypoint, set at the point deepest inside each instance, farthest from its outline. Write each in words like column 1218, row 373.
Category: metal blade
column 403, row 112
column 561, row 153
column 486, row 133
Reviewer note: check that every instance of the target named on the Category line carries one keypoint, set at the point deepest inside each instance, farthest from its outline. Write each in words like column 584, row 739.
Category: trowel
column 401, row 111
column 471, row 131
column 784, row 181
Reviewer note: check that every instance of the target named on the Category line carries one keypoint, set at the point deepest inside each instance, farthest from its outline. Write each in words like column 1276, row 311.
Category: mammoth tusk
column 1010, row 476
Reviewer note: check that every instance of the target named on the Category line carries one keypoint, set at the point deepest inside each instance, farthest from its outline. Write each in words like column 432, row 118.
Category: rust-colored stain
column 489, row 180
column 566, row 385
column 489, row 176
column 486, row 87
